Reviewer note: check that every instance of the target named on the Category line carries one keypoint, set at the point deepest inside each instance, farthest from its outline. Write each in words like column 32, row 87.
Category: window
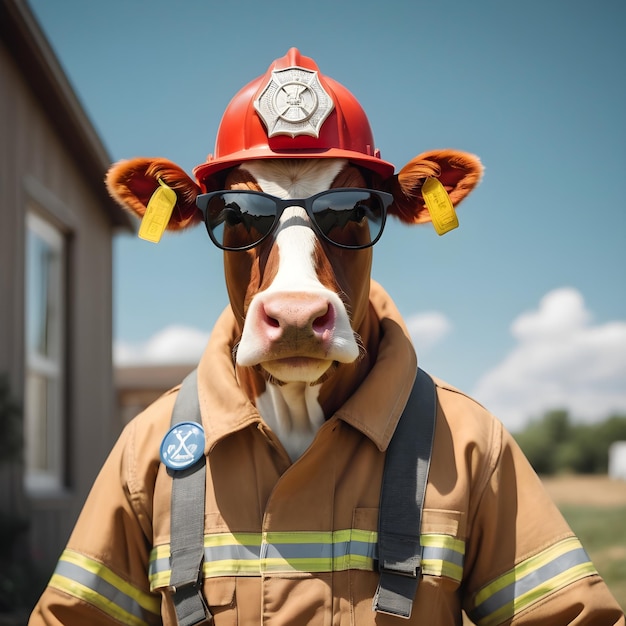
column 44, row 404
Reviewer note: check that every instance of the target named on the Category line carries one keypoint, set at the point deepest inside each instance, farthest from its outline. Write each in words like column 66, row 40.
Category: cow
column 307, row 334
column 301, row 387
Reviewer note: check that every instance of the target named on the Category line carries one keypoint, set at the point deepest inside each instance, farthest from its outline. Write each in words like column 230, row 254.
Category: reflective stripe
column 254, row 554
column 443, row 555
column 94, row 583
column 530, row 581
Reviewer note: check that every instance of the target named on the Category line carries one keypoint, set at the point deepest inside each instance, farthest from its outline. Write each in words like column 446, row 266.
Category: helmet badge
column 293, row 103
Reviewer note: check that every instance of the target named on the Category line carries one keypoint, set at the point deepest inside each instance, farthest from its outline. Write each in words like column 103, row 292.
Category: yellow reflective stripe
column 90, row 596
column 299, row 537
column 161, row 579
column 525, row 567
column 296, row 565
column 550, row 586
column 93, row 582
column 227, row 539
column 252, row 554
column 446, row 542
column 229, row 567
column 530, row 581
column 159, row 570
column 143, row 599
column 333, row 551
column 443, row 555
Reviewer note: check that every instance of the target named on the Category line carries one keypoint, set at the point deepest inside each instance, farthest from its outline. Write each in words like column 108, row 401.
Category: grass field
column 595, row 508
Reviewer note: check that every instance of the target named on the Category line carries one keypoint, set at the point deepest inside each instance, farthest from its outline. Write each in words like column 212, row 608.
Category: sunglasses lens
column 351, row 218
column 238, row 220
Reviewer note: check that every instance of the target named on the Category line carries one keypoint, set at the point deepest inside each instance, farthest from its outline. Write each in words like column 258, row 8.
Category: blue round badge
column 183, row 446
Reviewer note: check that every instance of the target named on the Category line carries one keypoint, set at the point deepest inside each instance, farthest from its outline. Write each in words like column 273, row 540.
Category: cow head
column 296, row 195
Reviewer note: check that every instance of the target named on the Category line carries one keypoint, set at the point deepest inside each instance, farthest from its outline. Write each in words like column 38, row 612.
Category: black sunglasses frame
column 203, row 200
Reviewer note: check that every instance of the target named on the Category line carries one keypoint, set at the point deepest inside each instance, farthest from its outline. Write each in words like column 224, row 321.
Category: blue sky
column 523, row 306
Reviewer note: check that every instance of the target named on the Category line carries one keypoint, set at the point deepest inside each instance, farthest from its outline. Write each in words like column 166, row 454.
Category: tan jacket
column 296, row 543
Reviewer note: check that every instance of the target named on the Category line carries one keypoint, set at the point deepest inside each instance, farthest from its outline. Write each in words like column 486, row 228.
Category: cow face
column 298, row 288
column 300, row 293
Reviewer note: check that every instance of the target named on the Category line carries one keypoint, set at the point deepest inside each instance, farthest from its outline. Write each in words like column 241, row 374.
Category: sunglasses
column 349, row 218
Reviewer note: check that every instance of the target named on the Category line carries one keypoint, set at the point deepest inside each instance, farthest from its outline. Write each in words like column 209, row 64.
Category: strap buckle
column 397, row 587
column 183, row 585
column 395, row 594
column 189, row 603
column 406, row 569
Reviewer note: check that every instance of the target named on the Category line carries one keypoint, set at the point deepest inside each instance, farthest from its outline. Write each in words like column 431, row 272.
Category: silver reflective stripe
column 289, row 551
column 532, row 580
column 443, row 555
column 100, row 586
column 158, row 565
column 250, row 555
column 92, row 582
column 236, row 552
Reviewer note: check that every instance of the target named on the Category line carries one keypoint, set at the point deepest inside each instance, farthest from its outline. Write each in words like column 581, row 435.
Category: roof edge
column 42, row 71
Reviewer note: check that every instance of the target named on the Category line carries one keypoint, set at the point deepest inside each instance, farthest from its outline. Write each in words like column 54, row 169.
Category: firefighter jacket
column 296, row 543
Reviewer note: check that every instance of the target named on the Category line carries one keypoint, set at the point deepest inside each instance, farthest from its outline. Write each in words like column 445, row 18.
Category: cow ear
column 131, row 184
column 459, row 172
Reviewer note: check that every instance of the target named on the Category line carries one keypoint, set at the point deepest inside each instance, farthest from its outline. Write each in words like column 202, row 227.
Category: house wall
column 37, row 169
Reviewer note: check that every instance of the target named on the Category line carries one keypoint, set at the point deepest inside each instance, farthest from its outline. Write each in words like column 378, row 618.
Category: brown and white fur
column 308, row 336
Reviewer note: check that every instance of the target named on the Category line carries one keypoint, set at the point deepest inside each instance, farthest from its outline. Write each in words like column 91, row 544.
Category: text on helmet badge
column 294, row 103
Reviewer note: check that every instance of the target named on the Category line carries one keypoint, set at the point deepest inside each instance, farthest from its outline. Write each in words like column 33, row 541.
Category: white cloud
column 181, row 344
column 427, row 329
column 173, row 344
column 561, row 360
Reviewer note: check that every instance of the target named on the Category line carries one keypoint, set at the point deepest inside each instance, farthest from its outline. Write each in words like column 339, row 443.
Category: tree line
column 555, row 444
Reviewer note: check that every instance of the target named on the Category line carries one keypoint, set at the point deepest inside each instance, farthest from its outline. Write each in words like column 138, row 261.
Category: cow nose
column 307, row 315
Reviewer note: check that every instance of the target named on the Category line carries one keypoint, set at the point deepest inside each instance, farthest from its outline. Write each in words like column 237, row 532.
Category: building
column 617, row 460
column 55, row 287
column 139, row 386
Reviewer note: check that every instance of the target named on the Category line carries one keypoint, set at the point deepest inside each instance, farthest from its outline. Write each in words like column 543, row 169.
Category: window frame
column 45, row 454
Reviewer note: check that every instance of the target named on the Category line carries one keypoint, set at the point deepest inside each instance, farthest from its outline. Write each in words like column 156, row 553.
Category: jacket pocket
column 219, row 595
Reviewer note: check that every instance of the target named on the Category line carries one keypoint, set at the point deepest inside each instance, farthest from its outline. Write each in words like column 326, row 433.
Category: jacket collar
column 376, row 406
column 374, row 409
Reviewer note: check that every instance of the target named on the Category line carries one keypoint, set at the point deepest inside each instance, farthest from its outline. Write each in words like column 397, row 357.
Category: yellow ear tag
column 158, row 213
column 439, row 206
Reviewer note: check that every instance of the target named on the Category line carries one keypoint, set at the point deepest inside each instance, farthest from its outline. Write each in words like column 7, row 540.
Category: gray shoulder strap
column 187, row 520
column 402, row 499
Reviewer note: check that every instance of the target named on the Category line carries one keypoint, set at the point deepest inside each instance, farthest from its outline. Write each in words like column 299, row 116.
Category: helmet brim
column 213, row 167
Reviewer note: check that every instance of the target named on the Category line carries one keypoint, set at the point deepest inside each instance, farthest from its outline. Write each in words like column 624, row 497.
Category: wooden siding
column 40, row 170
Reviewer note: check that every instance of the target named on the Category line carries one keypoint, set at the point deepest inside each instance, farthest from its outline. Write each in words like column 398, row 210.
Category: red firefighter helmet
column 293, row 111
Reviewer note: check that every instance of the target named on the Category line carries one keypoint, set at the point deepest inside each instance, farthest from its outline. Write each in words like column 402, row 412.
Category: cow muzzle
column 297, row 336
